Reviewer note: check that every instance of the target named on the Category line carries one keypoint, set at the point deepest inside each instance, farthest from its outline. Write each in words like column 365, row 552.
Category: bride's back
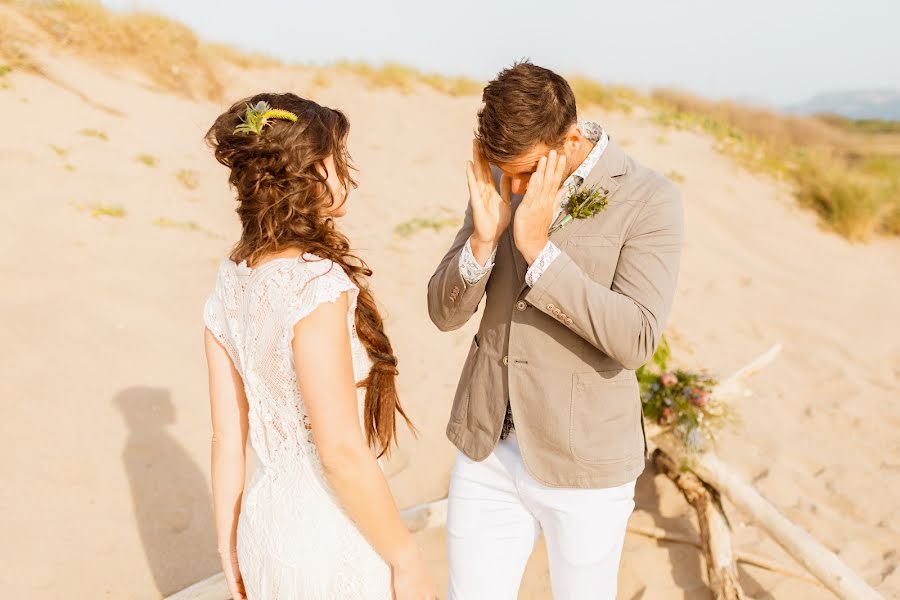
column 251, row 312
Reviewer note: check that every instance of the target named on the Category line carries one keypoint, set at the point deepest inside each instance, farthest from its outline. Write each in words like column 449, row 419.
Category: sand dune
column 105, row 408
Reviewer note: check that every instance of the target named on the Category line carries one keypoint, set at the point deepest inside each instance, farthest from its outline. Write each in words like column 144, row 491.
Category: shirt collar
column 594, row 132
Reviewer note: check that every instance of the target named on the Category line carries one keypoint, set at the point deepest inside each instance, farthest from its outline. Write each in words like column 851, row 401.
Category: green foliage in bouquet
column 681, row 400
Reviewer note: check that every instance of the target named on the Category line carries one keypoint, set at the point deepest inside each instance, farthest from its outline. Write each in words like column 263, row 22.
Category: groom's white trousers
column 496, row 511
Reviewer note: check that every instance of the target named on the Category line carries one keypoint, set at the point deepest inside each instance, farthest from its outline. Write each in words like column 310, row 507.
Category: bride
column 299, row 362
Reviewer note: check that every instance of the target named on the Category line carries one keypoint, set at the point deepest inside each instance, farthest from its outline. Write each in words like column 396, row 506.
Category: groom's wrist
column 532, row 249
column 482, row 251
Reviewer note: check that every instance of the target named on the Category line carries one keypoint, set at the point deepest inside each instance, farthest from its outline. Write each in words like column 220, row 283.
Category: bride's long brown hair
column 283, row 203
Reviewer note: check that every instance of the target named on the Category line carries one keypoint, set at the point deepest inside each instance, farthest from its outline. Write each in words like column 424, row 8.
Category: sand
column 105, row 413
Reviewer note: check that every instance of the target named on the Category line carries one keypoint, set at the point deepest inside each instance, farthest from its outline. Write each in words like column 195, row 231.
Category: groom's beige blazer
column 564, row 352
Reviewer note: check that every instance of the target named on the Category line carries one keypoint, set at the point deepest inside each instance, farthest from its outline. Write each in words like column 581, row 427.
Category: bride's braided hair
column 282, row 203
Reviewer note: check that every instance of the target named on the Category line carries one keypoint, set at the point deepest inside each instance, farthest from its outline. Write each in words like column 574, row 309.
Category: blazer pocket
column 461, row 400
column 605, row 416
column 596, row 254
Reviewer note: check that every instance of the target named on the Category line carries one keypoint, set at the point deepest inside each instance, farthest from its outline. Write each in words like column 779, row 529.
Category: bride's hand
column 232, row 572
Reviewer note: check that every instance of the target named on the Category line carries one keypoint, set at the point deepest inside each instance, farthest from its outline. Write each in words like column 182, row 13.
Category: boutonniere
column 581, row 204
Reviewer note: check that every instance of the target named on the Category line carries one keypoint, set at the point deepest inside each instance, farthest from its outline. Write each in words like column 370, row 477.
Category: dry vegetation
column 166, row 51
column 405, row 79
column 849, row 172
column 189, row 226
column 188, row 178
column 100, row 209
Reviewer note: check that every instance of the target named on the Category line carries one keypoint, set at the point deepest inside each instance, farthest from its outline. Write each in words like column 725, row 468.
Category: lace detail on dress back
column 252, row 313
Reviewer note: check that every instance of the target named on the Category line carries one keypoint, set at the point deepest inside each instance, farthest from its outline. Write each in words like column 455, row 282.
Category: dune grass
column 146, row 159
column 590, row 92
column 405, row 78
column 848, row 173
column 95, row 133
column 188, row 178
column 862, row 125
column 100, row 209
column 189, row 226
column 166, row 51
column 14, row 47
column 413, row 226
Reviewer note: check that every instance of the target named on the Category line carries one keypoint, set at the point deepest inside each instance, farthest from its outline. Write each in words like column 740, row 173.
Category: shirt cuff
column 469, row 268
column 541, row 263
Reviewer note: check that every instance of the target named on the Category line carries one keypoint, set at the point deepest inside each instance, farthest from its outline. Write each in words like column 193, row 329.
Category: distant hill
column 853, row 104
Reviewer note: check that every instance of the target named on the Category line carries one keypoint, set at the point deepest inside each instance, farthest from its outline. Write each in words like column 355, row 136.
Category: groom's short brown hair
column 523, row 106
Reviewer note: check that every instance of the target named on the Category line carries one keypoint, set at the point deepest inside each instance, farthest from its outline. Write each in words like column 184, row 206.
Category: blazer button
column 551, row 308
column 569, row 321
column 557, row 312
column 521, row 305
column 505, row 360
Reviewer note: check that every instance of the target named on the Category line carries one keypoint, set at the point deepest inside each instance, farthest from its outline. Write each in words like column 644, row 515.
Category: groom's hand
column 490, row 210
column 535, row 214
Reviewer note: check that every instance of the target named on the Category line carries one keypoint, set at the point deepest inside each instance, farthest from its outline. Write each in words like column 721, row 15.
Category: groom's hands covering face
column 535, row 214
column 490, row 210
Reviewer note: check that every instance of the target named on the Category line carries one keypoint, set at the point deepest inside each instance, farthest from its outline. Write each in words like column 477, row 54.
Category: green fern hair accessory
column 258, row 116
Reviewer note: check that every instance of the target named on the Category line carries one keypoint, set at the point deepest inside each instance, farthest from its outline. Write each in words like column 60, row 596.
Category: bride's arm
column 228, row 409
column 322, row 359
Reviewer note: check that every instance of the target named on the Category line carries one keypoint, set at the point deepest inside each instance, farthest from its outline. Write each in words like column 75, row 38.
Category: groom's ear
column 573, row 139
column 574, row 134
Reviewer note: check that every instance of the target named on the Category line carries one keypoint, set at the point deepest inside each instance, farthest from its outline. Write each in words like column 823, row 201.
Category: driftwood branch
column 817, row 559
column 715, row 532
column 660, row 534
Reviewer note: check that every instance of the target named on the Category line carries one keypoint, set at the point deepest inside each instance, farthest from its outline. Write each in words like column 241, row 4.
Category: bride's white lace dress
column 294, row 541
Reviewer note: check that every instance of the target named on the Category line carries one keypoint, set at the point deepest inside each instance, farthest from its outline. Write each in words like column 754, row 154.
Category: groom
column 547, row 414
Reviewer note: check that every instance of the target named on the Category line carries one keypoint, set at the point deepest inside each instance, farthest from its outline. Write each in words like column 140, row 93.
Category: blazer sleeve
column 626, row 319
column 451, row 301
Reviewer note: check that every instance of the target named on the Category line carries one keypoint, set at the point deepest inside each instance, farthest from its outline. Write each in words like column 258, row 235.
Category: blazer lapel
column 611, row 165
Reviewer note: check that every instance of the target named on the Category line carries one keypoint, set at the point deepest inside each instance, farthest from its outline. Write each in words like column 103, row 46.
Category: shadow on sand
column 170, row 493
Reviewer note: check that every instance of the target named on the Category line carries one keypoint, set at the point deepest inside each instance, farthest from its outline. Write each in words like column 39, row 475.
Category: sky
column 777, row 52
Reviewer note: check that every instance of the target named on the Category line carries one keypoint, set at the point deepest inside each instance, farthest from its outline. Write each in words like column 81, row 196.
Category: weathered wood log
column 715, row 532
column 817, row 559
column 747, row 558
